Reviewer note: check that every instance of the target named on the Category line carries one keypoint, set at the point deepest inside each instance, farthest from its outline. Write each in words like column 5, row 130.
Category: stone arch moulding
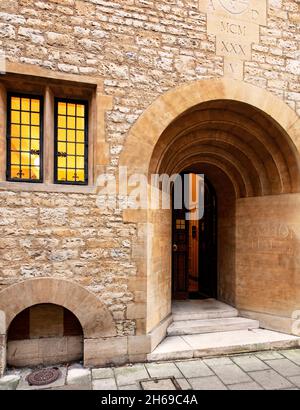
column 95, row 318
column 146, row 132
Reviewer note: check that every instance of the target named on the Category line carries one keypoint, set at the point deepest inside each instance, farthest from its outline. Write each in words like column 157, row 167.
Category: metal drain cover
column 167, row 383
column 43, row 377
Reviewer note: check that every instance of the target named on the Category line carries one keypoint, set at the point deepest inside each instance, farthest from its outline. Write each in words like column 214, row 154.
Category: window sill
column 43, row 187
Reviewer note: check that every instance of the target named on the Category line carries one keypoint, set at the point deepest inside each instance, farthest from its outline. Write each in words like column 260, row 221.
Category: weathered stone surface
column 130, row 374
column 104, row 384
column 79, row 376
column 207, row 383
column 271, row 380
column 9, row 382
column 104, row 373
column 141, row 50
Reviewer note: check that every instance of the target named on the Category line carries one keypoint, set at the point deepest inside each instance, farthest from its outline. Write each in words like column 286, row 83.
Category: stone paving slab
column 194, row 368
column 245, row 386
column 163, row 370
column 268, row 355
column 231, row 374
column 270, row 380
column 295, row 380
column 104, row 384
column 131, row 374
column 207, row 383
column 250, row 363
column 293, row 355
column 105, row 373
column 79, row 376
column 269, row 370
column 284, row 367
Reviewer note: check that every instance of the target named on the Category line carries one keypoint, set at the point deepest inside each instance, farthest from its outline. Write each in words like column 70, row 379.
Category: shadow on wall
column 44, row 334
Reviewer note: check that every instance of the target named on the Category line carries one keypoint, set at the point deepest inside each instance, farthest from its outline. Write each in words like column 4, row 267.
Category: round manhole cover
column 43, row 377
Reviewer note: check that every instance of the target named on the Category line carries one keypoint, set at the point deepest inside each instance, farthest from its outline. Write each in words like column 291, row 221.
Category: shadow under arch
column 94, row 317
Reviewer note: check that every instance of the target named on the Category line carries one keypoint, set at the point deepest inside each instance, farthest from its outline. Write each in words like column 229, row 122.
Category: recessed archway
column 44, row 334
column 94, row 317
column 247, row 142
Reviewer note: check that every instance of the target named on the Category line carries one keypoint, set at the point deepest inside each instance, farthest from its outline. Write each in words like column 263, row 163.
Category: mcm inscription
column 235, row 23
column 235, row 6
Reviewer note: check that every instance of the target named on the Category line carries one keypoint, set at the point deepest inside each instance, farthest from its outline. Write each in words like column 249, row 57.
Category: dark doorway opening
column 194, row 249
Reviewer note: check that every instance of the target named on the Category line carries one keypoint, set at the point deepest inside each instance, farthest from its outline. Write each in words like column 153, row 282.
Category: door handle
column 175, row 247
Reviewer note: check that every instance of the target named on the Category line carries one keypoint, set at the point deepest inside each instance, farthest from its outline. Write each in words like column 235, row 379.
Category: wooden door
column 208, row 274
column 180, row 255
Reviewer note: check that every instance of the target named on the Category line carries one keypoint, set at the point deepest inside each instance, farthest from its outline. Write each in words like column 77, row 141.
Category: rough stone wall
column 68, row 236
column 141, row 48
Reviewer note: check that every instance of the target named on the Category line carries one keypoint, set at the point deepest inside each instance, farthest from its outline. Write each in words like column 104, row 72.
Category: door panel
column 180, row 255
column 194, row 254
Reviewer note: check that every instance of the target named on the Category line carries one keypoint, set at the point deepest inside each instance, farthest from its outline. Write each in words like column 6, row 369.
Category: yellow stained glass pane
column 25, row 131
column 25, row 104
column 61, row 174
column 80, row 110
column 35, row 132
column 25, row 118
column 80, row 149
column 79, row 162
column 80, row 136
column 15, row 130
column 72, row 109
column 71, row 175
column 15, row 103
column 35, row 105
column 14, row 171
column 62, row 108
column 62, row 162
column 71, row 135
column 35, row 144
column 15, row 144
column 71, row 161
column 62, row 147
column 35, row 173
column 62, row 123
column 62, row 134
column 71, row 149
column 25, row 144
column 80, row 176
column 35, row 119
column 71, row 122
column 80, row 123
column 34, row 160
column 25, row 159
column 25, row 172
column 15, row 157
column 15, row 117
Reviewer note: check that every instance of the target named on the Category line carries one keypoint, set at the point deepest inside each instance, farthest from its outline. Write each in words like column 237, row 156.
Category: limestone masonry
column 111, row 268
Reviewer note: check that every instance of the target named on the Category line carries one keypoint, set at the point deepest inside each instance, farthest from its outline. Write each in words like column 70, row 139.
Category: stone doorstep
column 221, row 343
column 190, row 327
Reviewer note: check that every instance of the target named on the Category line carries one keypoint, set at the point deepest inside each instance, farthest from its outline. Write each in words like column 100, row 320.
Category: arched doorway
column 194, row 247
column 246, row 141
column 44, row 334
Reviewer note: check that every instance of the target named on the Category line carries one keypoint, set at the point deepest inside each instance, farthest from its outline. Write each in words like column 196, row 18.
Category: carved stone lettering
column 235, row 23
column 235, row 6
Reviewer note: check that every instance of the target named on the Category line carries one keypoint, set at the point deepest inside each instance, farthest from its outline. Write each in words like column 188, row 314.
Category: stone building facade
column 222, row 75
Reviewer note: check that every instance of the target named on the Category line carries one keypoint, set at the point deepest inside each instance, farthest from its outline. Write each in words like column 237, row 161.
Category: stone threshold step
column 221, row 343
column 191, row 327
column 201, row 310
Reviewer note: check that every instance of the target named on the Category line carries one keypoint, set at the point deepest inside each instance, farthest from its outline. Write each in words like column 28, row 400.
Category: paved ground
column 270, row 370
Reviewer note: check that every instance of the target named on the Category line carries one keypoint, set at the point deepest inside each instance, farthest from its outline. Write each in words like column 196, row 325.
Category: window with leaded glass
column 71, row 142
column 24, row 138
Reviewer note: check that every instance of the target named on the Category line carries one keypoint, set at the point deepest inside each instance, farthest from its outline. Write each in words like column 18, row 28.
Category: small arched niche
column 44, row 334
